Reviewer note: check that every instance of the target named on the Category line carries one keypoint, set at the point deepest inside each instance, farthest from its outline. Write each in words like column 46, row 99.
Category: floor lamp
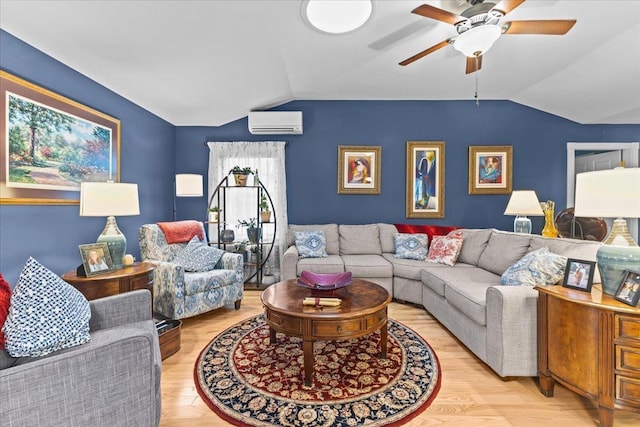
column 187, row 185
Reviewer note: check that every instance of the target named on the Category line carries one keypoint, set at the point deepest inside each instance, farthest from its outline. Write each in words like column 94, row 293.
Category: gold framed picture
column 52, row 144
column 490, row 169
column 359, row 169
column 425, row 179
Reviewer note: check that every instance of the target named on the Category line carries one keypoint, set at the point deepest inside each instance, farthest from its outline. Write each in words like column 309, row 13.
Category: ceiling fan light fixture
column 337, row 17
column 477, row 40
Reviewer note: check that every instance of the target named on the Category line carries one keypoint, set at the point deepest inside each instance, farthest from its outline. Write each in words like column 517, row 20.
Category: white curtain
column 267, row 157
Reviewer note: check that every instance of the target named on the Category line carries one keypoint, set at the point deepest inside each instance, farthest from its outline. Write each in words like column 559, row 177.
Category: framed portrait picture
column 96, row 259
column 578, row 274
column 490, row 169
column 425, row 179
column 359, row 169
column 629, row 290
column 52, row 144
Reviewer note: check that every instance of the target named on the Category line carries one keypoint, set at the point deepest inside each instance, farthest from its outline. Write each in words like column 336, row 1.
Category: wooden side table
column 590, row 343
column 137, row 276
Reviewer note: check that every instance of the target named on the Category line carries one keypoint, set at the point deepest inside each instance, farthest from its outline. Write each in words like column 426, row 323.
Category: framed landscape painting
column 425, row 179
column 359, row 169
column 50, row 144
column 490, row 169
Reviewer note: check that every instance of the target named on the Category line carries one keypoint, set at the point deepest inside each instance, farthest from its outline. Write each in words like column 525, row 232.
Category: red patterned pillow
column 445, row 249
column 5, row 300
column 429, row 230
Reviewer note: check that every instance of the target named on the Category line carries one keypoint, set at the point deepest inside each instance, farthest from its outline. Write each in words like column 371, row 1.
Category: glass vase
column 548, row 209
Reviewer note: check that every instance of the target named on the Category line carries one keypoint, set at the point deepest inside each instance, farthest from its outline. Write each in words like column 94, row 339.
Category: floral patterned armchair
column 178, row 293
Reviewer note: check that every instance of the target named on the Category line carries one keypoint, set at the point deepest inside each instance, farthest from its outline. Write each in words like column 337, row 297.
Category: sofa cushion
column 5, row 301
column 436, row 276
column 539, row 267
column 181, row 231
column 359, row 239
column 445, row 249
column 470, row 297
column 46, row 314
column 330, row 234
column 367, row 266
column 311, row 244
column 475, row 242
column 331, row 264
column 503, row 250
column 411, row 246
column 570, row 248
column 405, row 268
column 197, row 256
column 6, row 361
column 387, row 241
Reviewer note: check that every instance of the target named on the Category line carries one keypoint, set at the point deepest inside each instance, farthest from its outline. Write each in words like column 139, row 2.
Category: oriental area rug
column 248, row 381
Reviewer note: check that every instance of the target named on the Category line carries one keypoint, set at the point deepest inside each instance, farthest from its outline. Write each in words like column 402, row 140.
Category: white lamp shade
column 108, row 199
column 188, row 185
column 477, row 39
column 613, row 193
column 524, row 202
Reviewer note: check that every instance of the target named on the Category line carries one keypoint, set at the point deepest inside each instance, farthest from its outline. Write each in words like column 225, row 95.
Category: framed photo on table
column 359, row 169
column 51, row 144
column 578, row 274
column 490, row 169
column 629, row 290
column 425, row 179
column 96, row 259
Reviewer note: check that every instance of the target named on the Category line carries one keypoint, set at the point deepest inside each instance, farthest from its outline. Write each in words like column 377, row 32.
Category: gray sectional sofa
column 497, row 323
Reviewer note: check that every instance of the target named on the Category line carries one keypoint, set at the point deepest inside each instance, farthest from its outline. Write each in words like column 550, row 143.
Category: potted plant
column 254, row 254
column 240, row 175
column 253, row 233
column 241, row 248
column 213, row 214
column 265, row 212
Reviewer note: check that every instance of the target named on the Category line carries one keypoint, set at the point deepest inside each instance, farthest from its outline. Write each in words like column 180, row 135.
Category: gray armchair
column 113, row 380
column 178, row 293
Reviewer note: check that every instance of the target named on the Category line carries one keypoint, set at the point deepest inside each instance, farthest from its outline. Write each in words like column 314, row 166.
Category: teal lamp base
column 115, row 240
column 613, row 262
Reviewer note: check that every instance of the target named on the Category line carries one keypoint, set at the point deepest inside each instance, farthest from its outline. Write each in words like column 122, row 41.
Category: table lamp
column 613, row 193
column 521, row 204
column 110, row 199
column 187, row 185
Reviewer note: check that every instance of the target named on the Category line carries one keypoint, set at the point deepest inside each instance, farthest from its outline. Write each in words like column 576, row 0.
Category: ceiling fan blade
column 425, row 52
column 506, row 6
column 474, row 63
column 439, row 14
column 554, row 27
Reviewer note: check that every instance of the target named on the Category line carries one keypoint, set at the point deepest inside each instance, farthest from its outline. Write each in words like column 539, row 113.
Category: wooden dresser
column 590, row 343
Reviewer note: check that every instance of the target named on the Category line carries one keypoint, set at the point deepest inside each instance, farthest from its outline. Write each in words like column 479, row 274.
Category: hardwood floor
column 471, row 394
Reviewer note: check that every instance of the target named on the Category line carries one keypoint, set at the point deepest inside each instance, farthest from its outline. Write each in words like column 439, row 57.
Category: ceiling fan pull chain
column 476, row 75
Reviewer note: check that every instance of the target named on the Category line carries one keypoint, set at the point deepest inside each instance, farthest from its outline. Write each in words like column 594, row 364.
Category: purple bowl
column 324, row 281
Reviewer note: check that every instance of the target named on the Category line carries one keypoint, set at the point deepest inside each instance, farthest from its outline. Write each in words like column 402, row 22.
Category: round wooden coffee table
column 363, row 310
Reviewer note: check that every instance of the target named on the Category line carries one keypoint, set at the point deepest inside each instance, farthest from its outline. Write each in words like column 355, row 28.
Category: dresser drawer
column 286, row 324
column 628, row 358
column 628, row 327
column 628, row 389
column 142, row 282
column 328, row 329
column 373, row 321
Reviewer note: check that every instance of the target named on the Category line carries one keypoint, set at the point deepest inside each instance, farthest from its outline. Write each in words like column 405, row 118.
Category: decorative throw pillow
column 5, row 300
column 197, row 256
column 411, row 246
column 430, row 230
column 46, row 314
column 539, row 267
column 311, row 244
column 445, row 249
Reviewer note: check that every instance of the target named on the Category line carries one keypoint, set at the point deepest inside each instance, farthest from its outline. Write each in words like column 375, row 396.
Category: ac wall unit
column 275, row 122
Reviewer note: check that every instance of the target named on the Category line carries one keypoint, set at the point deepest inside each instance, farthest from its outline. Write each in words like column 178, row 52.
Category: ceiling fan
column 479, row 27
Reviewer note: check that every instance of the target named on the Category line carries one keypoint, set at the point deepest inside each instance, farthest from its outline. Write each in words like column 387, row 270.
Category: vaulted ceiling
column 211, row 62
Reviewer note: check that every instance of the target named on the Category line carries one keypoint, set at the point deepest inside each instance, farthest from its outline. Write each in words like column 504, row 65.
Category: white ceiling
column 210, row 62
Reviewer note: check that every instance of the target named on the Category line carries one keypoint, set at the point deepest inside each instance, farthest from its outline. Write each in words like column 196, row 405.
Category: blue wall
column 154, row 150
column 51, row 234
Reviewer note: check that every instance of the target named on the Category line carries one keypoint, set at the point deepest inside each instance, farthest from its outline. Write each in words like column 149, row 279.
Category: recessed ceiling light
column 337, row 16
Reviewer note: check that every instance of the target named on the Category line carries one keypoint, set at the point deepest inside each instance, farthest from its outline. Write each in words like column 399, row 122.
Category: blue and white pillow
column 46, row 314
column 411, row 246
column 539, row 267
column 198, row 256
column 311, row 244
